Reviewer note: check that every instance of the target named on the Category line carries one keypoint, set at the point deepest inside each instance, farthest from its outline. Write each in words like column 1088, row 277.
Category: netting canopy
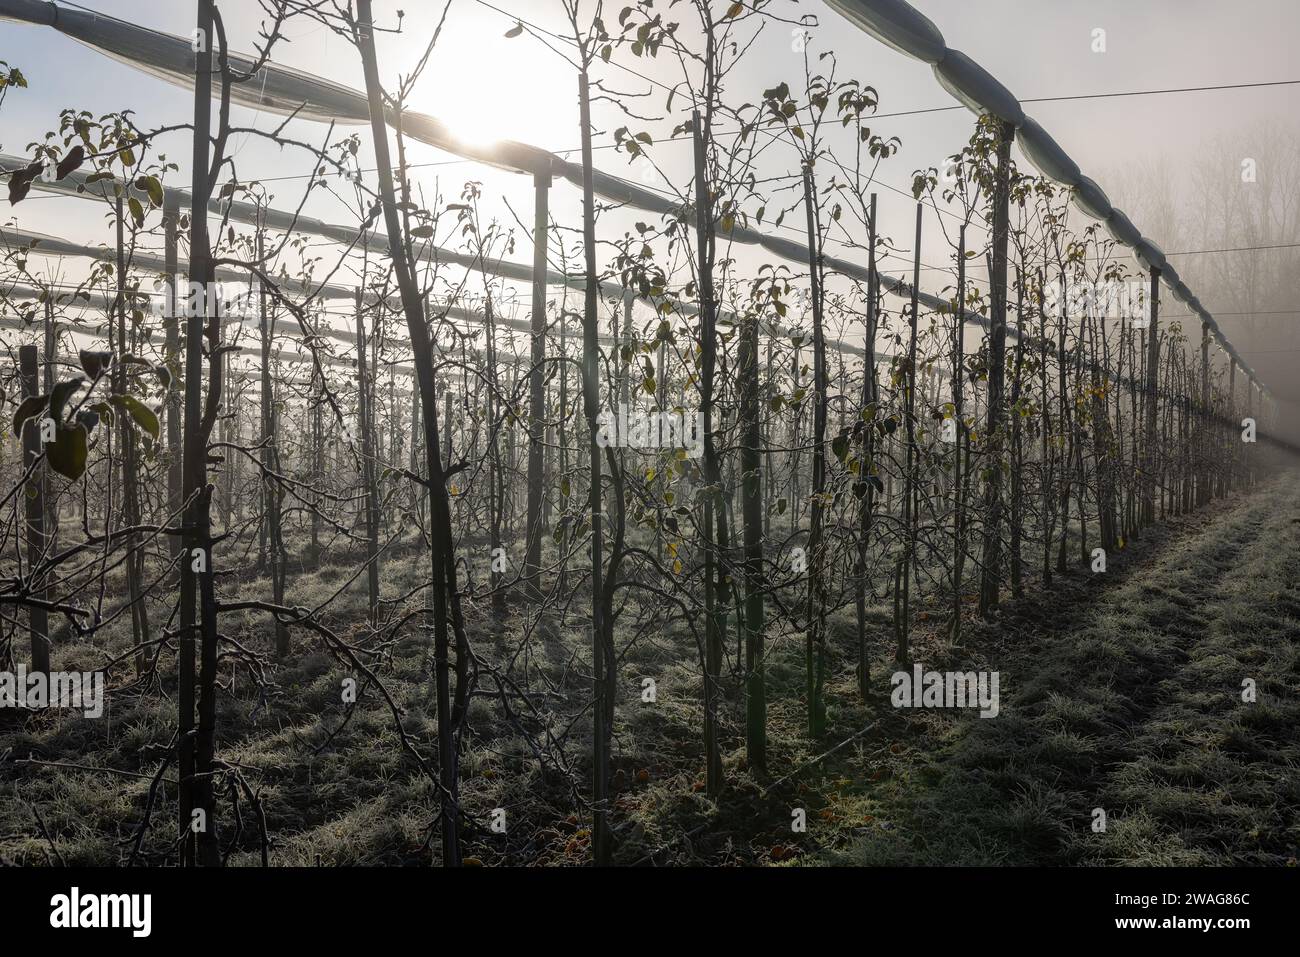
column 901, row 26
column 289, row 92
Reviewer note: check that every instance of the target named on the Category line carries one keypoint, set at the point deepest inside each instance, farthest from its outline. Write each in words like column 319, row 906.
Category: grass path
column 1135, row 708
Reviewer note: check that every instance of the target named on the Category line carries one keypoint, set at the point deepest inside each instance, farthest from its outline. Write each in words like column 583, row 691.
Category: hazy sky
column 485, row 84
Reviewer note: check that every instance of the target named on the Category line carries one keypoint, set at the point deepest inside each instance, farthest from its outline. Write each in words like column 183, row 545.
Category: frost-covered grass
column 1121, row 693
column 1137, row 709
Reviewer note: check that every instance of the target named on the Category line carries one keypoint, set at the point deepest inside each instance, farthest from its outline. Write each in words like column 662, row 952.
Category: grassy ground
column 1135, row 708
column 1119, row 691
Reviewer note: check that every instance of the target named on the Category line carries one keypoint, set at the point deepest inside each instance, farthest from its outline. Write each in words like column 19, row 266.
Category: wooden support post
column 1247, row 454
column 537, row 387
column 317, row 454
column 991, row 573
column 37, row 618
column 50, row 360
column 171, row 356
column 755, row 583
column 367, row 468
column 1150, row 457
column 959, row 475
column 1204, row 478
column 271, row 492
column 1234, row 456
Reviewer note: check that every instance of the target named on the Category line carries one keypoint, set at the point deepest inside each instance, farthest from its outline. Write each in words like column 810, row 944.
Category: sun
column 488, row 87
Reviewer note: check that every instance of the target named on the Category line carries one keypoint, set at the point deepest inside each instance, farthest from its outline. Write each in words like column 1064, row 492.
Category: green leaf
column 137, row 210
column 59, row 396
column 29, row 407
column 67, row 453
column 95, row 363
column 20, row 181
column 104, row 411
column 840, row 446
column 150, row 185
column 88, row 419
column 514, row 31
column 72, row 161
column 144, row 416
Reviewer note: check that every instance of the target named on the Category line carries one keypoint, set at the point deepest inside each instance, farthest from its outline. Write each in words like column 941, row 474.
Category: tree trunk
column 1017, row 463
column 443, row 587
column 601, row 652
column 867, row 469
column 198, row 749
column 815, row 645
column 960, row 473
column 752, row 509
column 713, row 638
column 128, row 486
column 903, row 569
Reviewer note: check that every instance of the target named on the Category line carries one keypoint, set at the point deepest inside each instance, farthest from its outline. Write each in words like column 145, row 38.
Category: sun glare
column 501, row 89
